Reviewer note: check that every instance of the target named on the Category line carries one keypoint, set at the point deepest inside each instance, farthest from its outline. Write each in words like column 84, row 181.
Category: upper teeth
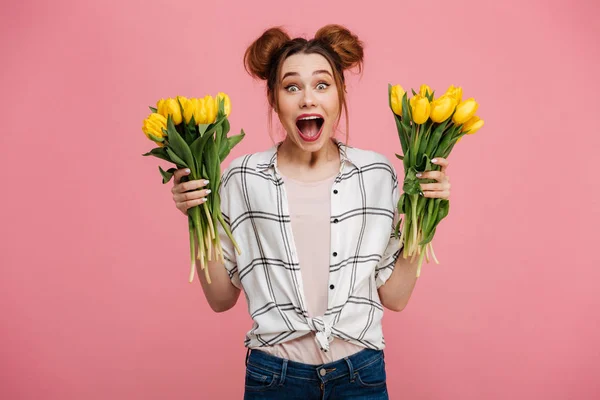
column 313, row 117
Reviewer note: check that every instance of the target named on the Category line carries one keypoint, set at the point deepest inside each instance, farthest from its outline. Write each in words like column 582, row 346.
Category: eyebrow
column 317, row 72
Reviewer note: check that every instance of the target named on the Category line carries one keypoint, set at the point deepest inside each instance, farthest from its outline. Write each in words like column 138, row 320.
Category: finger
column 189, row 185
column 437, row 175
column 434, row 187
column 186, row 205
column 437, row 194
column 191, row 195
column 178, row 174
column 441, row 161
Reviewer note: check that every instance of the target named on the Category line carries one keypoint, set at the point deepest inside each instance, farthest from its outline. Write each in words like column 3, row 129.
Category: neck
column 291, row 154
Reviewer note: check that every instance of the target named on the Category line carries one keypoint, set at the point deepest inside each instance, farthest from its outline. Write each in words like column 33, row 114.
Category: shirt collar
column 268, row 159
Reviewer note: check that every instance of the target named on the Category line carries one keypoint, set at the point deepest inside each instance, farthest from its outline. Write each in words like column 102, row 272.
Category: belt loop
column 247, row 355
column 350, row 368
column 283, row 371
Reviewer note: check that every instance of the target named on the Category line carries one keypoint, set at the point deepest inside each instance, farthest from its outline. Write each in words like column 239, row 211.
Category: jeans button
column 323, row 372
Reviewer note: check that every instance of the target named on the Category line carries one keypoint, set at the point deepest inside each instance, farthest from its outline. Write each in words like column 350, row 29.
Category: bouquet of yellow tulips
column 428, row 128
column 192, row 133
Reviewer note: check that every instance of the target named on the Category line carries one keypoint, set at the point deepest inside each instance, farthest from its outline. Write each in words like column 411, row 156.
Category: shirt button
column 323, row 372
column 335, row 221
column 331, row 287
column 335, row 191
column 335, row 253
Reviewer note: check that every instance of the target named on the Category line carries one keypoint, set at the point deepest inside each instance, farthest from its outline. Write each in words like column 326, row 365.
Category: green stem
column 415, row 148
column 210, row 221
column 420, row 263
column 414, row 202
column 192, row 250
column 228, row 232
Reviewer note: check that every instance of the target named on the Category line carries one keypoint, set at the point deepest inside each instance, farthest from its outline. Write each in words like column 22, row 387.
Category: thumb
column 180, row 173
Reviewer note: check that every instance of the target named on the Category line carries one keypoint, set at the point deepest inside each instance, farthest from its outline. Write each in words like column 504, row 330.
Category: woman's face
column 308, row 100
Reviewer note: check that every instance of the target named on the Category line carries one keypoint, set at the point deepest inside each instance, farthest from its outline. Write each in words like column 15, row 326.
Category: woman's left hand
column 441, row 189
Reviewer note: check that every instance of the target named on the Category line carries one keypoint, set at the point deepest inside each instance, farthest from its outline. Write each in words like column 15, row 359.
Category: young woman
column 314, row 219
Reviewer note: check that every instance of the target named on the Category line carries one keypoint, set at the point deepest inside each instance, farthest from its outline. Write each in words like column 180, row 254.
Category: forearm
column 396, row 291
column 220, row 294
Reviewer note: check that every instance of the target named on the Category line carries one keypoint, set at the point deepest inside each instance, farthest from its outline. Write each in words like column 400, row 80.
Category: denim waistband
column 322, row 373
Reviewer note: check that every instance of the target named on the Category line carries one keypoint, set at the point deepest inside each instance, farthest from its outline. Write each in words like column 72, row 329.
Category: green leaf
column 445, row 142
column 421, row 204
column 168, row 174
column 229, row 144
column 226, row 126
column 175, row 158
column 220, row 107
column 202, row 128
column 215, row 162
column 198, row 149
column 159, row 152
column 406, row 161
column 424, row 164
column 425, row 140
column 411, row 182
column 434, row 141
column 440, row 212
column 443, row 210
column 153, row 109
column 156, row 138
column 399, row 156
column 401, row 133
column 401, row 209
column 413, row 92
column 428, row 238
column 179, row 147
column 406, row 112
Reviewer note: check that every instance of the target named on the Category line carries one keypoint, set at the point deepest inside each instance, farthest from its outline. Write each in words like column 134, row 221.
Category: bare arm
column 396, row 291
column 221, row 294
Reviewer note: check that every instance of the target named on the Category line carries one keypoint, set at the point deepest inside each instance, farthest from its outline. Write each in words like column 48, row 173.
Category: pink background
column 94, row 296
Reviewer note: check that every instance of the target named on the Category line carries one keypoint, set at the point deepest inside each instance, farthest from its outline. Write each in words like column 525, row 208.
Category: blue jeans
column 359, row 376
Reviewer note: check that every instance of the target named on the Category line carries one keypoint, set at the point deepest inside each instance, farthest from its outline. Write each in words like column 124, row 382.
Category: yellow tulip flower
column 210, row 109
column 396, row 95
column 472, row 125
column 420, row 109
column 442, row 108
column 425, row 90
column 464, row 111
column 190, row 108
column 170, row 107
column 455, row 92
column 152, row 128
column 202, row 117
column 226, row 105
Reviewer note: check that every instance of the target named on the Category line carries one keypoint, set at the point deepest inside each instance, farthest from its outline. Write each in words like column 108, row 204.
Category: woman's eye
column 323, row 85
column 290, row 87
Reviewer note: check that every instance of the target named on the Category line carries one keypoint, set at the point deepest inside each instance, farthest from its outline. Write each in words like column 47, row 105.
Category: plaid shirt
column 363, row 249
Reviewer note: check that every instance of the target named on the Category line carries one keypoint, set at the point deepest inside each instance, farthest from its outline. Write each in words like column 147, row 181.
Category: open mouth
column 310, row 127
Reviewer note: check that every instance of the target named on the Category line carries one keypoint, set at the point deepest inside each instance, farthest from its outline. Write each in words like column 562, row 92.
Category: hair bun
column 344, row 43
column 258, row 56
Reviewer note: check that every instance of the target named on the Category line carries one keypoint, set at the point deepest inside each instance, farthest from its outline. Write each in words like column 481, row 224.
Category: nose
column 307, row 100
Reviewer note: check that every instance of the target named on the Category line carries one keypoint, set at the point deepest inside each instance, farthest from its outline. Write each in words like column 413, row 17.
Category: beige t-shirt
column 309, row 204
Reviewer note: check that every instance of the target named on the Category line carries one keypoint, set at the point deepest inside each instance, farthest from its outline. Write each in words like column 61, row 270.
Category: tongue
column 309, row 128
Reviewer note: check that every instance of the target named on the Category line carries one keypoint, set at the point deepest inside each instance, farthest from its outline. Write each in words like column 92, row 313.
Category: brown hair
column 342, row 49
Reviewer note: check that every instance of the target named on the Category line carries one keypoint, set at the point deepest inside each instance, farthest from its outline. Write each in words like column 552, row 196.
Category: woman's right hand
column 186, row 194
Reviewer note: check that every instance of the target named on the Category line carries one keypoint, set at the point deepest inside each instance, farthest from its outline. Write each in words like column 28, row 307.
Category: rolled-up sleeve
column 385, row 267
column 229, row 253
